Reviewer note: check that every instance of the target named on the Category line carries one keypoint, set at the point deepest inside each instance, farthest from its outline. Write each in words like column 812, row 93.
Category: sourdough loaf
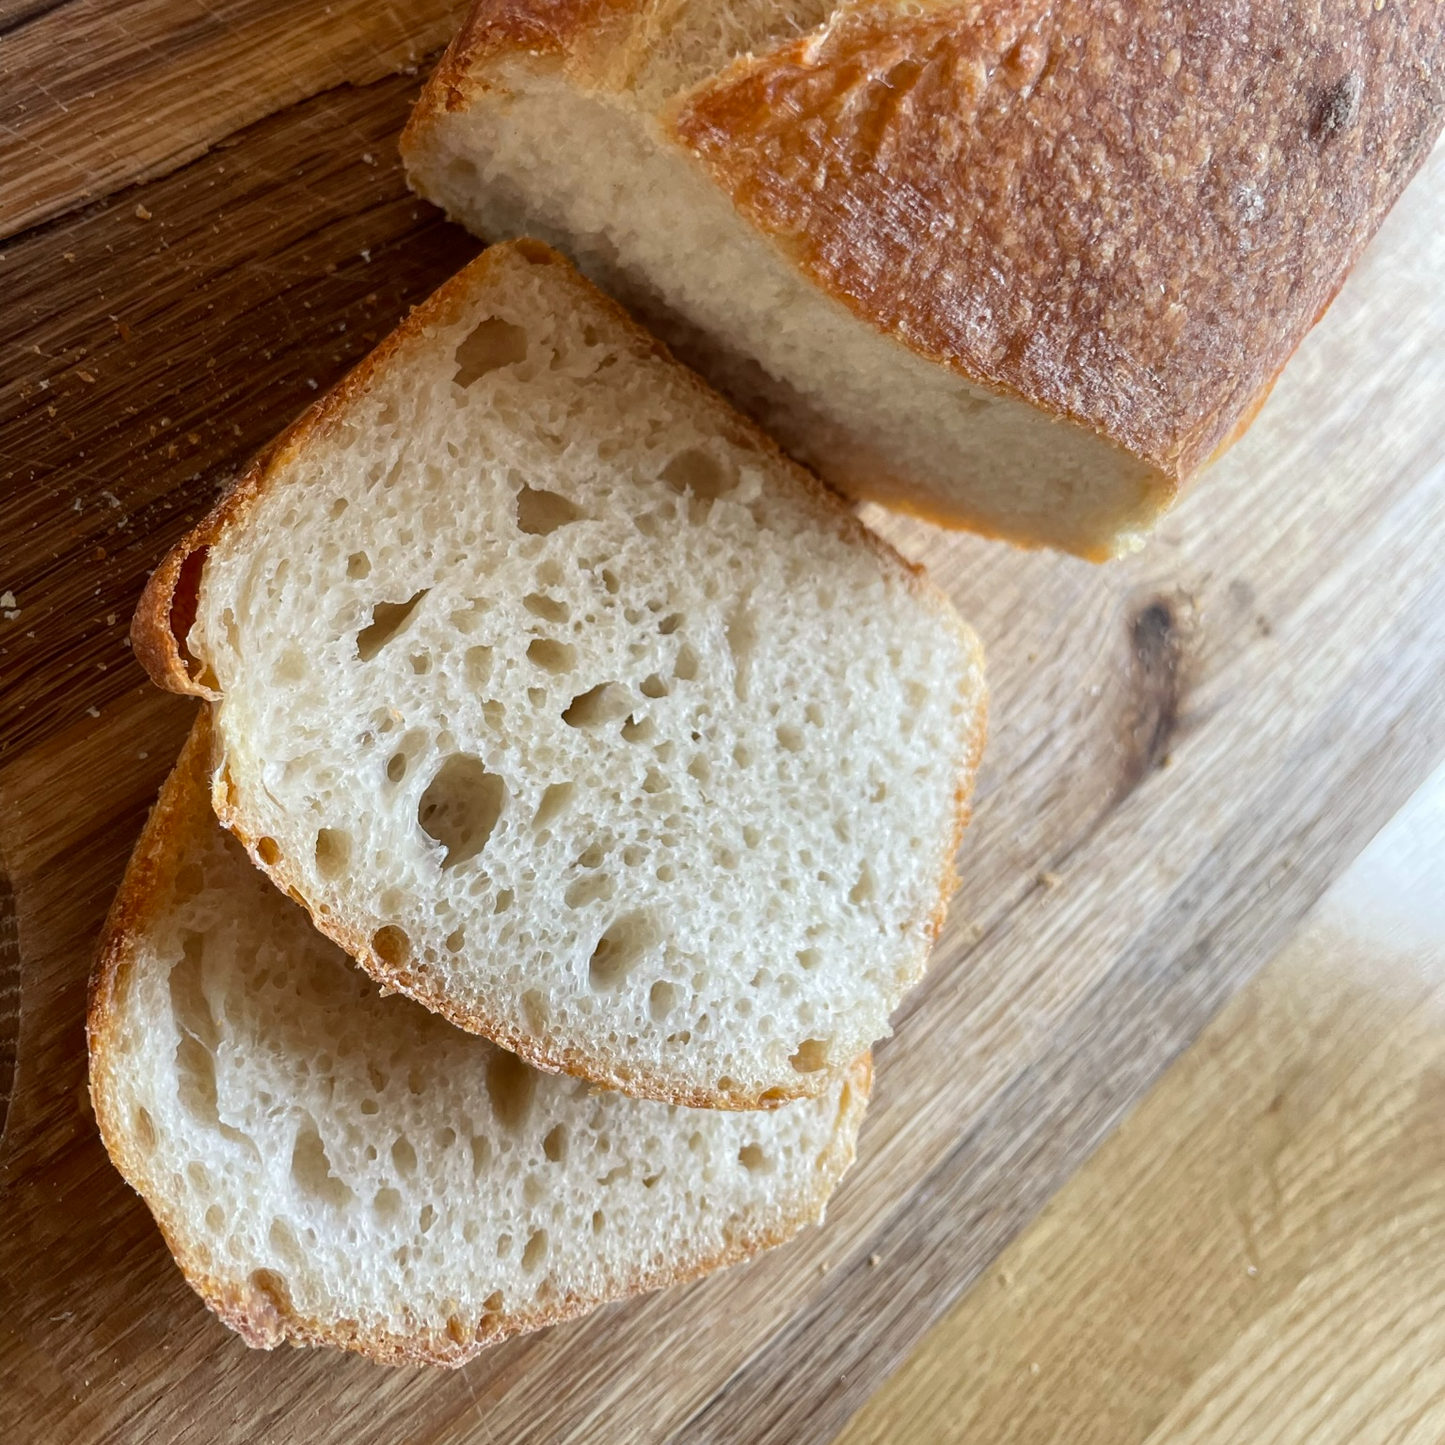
column 331, row 1167
column 1018, row 267
column 569, row 707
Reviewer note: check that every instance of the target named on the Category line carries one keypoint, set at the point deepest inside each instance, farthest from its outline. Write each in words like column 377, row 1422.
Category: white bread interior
column 566, row 705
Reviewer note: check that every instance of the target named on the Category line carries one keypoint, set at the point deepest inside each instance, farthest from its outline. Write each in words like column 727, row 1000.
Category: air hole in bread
column 199, row 1036
column 403, row 1156
column 620, row 949
column 752, row 836
column 462, row 172
column 863, row 889
column 333, row 852
column 358, row 566
column 670, row 624
column 597, row 706
column 811, row 1056
column 654, row 782
column 457, row 1330
column 594, row 888
column 289, row 668
column 634, row 731
column 489, row 346
column 268, row 850
column 505, row 899
column 391, row 945
column 809, row 958
column 555, row 799
column 552, row 656
column 144, row 1128
column 535, row 1251
column 742, row 636
column 420, row 663
column 510, row 1086
column 700, row 768
column 537, row 696
column 685, row 667
column 387, row 619
column 481, row 1154
column 599, row 1221
column 698, row 472
column 536, row 1011
column 311, row 1170
column 493, row 1302
column 461, row 807
column 547, row 608
column 554, row 1146
column 540, row 512
column 661, row 1000
column 272, row 1287
column 754, row 1159
column 653, row 686
column 477, row 665
column 790, row 738
column 814, row 714
column 426, row 1218
column 215, row 1219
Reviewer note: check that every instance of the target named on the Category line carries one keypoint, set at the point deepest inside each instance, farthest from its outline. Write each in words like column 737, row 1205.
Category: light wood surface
column 1256, row 1254
column 1186, row 750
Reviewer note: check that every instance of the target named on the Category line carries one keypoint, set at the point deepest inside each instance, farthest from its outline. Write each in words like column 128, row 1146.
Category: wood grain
column 1254, row 1255
column 97, row 95
column 1187, row 748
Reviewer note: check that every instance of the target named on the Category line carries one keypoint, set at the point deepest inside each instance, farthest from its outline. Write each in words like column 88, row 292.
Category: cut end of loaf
column 330, row 1167
column 1024, row 269
column 570, row 708
column 597, row 174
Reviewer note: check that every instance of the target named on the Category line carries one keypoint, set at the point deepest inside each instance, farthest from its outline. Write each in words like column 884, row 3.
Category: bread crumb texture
column 332, row 1166
column 571, row 708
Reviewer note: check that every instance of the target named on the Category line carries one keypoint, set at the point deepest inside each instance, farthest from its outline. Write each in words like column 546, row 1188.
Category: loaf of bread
column 1019, row 267
column 570, row 708
column 331, row 1167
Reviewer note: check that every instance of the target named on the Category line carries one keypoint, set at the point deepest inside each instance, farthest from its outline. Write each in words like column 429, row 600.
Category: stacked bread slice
column 330, row 1166
column 565, row 704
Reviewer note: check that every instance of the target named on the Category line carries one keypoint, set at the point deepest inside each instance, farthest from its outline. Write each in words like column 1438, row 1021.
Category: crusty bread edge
column 161, row 650
column 259, row 1316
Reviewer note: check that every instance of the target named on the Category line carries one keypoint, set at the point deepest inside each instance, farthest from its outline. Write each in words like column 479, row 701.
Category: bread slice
column 570, row 708
column 331, row 1167
column 1023, row 268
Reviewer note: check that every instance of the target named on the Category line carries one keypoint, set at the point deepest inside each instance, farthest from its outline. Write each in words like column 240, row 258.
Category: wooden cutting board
column 204, row 225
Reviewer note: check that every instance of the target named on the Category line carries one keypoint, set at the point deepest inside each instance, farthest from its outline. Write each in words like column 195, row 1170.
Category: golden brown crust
column 264, row 1317
column 1127, row 215
column 161, row 649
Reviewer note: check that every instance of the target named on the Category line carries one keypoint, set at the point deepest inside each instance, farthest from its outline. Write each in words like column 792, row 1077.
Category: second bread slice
column 334, row 1168
column 569, row 707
